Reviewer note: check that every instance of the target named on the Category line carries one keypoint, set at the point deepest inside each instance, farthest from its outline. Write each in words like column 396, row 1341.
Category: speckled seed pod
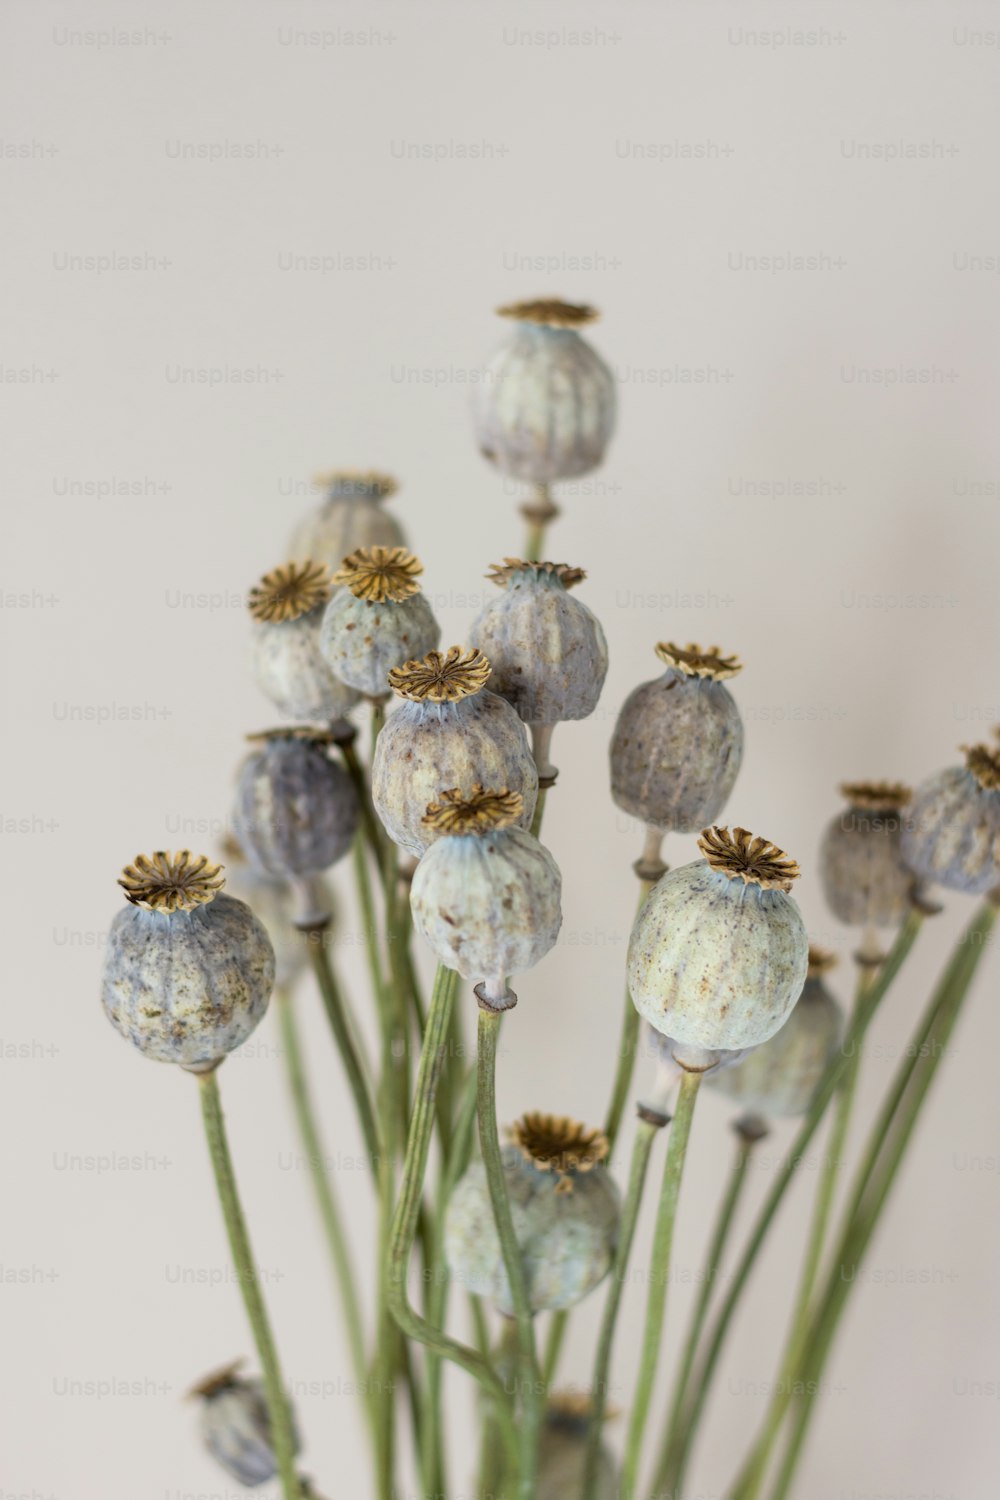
column 352, row 515
column 486, row 894
column 448, row 732
column 187, row 972
column 547, row 651
column 378, row 620
column 564, row 1206
column 295, row 815
column 864, row 879
column 678, row 742
column 562, row 1451
column 273, row 902
column 545, row 405
column 718, row 953
column 952, row 834
column 780, row 1077
column 236, row 1425
column 287, row 608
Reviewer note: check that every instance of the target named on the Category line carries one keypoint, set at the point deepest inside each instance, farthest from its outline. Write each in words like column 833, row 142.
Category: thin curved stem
column 333, row 1003
column 627, row 1052
column 659, row 1278
column 282, row 1431
column 539, row 813
column 530, row 1381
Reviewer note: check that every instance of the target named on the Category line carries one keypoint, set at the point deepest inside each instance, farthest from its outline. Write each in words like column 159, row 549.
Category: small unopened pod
column 564, row 1205
column 678, row 741
column 865, row 881
column 486, row 895
column 287, row 609
column 952, row 834
column 780, row 1077
column 562, row 1451
column 295, row 815
column 188, row 972
column 274, row 902
column 546, row 648
column 236, row 1425
column 718, row 953
column 351, row 515
column 545, row 402
column 448, row 732
column 378, row 620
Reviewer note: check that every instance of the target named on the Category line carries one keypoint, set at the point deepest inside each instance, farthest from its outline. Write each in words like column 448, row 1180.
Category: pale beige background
column 641, row 165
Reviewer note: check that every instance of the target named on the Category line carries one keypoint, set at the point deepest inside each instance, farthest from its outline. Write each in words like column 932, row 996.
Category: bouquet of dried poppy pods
column 444, row 824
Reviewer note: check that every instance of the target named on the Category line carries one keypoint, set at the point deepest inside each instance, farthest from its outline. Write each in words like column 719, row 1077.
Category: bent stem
column 656, row 1303
column 282, row 1431
column 530, row 1380
column 645, row 1135
column 333, row 1003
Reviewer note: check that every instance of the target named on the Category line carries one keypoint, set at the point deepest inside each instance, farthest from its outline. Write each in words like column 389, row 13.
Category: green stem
column 404, row 1222
column 659, row 1278
column 326, row 1202
column 553, row 1347
column 645, row 1135
column 282, row 1431
column 530, row 1381
column 333, row 1004
column 539, row 813
column 370, row 825
column 879, row 1169
column 627, row 1051
column 672, row 1464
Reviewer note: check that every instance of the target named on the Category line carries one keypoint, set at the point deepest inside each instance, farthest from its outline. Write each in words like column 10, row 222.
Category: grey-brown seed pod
column 486, row 895
column 295, row 814
column 547, row 650
column 678, row 742
column 448, row 732
column 952, row 833
column 545, row 405
column 287, row 608
column 378, row 620
column 861, row 867
column 236, row 1425
column 562, row 1451
column 274, row 902
column 188, row 972
column 351, row 515
column 565, row 1209
column 718, row 953
column 780, row 1077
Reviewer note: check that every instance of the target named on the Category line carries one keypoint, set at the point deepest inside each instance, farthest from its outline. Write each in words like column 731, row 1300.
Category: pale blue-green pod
column 562, row 1452
column 379, row 620
column 865, row 881
column 188, row 972
column 448, row 733
column 952, row 833
column 287, row 606
column 486, row 895
column 780, row 1077
column 565, row 1209
column 236, row 1426
column 718, row 953
column 351, row 515
column 545, row 403
column 677, row 746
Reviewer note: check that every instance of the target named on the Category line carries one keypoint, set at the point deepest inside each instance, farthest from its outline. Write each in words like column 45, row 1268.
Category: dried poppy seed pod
column 274, row 903
column 236, row 1425
column 187, row 972
column 448, row 732
column 486, row 894
column 678, row 742
column 351, row 515
column 718, row 953
column 952, row 834
column 547, row 650
column 564, row 1205
column 545, row 407
column 287, row 608
column 378, row 620
column 296, row 814
column 562, row 1451
column 864, row 879
column 780, row 1077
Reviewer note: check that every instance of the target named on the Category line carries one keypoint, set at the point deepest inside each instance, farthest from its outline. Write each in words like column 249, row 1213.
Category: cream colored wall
column 641, row 168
